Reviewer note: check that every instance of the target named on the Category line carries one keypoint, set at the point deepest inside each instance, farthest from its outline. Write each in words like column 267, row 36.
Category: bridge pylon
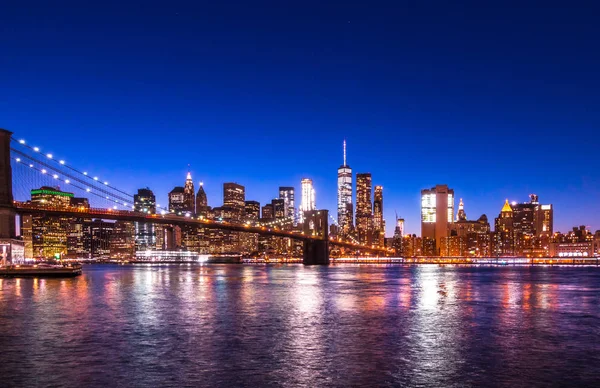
column 316, row 251
column 7, row 211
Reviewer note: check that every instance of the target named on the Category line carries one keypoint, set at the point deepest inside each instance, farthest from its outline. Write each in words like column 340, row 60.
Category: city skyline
column 417, row 106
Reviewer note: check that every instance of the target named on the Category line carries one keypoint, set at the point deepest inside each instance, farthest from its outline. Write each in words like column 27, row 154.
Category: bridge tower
column 7, row 212
column 316, row 251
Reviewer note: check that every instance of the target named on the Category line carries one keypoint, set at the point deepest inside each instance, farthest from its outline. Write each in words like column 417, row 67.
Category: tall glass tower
column 344, row 197
column 308, row 197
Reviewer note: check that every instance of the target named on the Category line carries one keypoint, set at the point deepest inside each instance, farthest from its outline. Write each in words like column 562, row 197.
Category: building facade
column 344, row 198
column 364, row 208
column 308, row 197
column 437, row 213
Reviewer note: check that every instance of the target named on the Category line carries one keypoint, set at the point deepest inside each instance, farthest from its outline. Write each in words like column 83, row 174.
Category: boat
column 41, row 270
column 232, row 258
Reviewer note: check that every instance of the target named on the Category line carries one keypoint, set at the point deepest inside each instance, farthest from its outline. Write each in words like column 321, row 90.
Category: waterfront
column 290, row 325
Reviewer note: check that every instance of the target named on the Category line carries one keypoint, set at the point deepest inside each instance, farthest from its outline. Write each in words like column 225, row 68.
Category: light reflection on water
column 342, row 325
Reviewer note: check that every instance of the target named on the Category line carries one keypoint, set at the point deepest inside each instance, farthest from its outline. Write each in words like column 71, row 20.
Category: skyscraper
column 378, row 221
column 252, row 210
column 308, row 197
column 177, row 201
column 364, row 208
column 344, row 197
column 201, row 202
column 278, row 208
column 461, row 215
column 287, row 194
column 234, row 196
column 189, row 194
column 145, row 234
column 144, row 201
column 504, row 242
column 437, row 213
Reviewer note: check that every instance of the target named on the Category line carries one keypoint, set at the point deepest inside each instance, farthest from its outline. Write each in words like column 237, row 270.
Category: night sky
column 497, row 101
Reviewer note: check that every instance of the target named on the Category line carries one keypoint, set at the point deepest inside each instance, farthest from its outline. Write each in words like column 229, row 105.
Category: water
column 255, row 326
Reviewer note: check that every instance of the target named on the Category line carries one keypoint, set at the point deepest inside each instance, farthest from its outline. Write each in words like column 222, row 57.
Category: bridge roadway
column 170, row 219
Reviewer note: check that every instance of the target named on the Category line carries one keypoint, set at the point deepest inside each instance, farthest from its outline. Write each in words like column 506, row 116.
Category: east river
column 290, row 325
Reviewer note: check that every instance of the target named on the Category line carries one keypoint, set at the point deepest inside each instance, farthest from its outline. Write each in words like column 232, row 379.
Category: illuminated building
column 378, row 221
column 288, row 195
column 268, row 213
column 252, row 210
column 344, row 197
column 308, row 197
column 461, row 215
column 145, row 234
column 504, row 242
column 177, row 201
column 530, row 222
column 398, row 234
column 578, row 243
column 278, row 209
column 437, row 213
column 188, row 195
column 122, row 241
column 90, row 239
column 234, row 196
column 49, row 233
column 473, row 236
column 364, row 208
column 202, row 209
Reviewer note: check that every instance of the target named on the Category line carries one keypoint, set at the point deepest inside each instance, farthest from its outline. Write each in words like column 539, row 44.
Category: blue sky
column 497, row 101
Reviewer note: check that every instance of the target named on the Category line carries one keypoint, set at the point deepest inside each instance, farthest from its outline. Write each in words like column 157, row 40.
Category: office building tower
column 504, row 241
column 278, row 208
column 144, row 201
column 202, row 208
column 252, row 210
column 145, row 232
column 378, row 221
column 268, row 212
column 308, row 197
column 344, row 197
column 234, row 196
column 177, row 201
column 189, row 195
column 288, row 195
column 364, row 208
column 437, row 213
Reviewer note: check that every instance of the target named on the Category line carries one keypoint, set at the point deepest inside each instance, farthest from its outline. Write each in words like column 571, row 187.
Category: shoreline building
column 437, row 214
column 344, row 197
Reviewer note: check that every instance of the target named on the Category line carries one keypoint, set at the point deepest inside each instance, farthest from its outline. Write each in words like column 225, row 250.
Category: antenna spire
column 344, row 152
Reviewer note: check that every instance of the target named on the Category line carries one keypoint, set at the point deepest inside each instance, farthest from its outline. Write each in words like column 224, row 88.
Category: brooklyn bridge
column 24, row 167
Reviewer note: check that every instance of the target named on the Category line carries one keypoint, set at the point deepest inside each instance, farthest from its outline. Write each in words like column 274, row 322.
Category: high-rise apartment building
column 437, row 213
column 364, row 208
column 308, row 197
column 344, row 197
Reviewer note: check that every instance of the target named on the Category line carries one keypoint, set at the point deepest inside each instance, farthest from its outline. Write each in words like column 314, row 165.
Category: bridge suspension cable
column 62, row 163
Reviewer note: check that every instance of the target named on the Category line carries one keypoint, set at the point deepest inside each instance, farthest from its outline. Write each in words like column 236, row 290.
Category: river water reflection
column 290, row 325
